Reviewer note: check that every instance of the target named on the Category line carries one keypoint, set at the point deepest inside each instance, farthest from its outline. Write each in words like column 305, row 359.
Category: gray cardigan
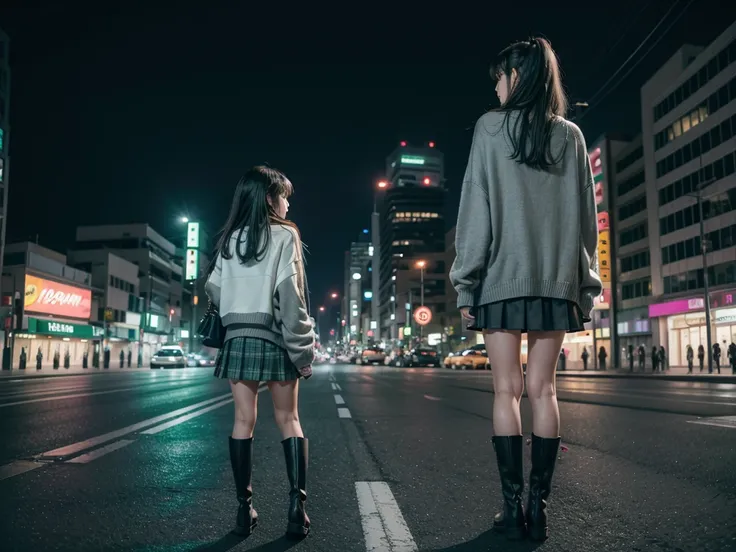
column 523, row 232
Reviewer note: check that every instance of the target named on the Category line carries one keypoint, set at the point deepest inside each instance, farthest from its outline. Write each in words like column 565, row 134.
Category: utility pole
column 704, row 252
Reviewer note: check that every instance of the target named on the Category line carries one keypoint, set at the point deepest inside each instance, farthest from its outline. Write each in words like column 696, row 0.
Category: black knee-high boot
column 241, row 459
column 544, row 456
column 509, row 455
column 296, row 454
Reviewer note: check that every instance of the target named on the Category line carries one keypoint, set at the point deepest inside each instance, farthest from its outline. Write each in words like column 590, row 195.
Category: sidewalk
column 675, row 373
column 49, row 372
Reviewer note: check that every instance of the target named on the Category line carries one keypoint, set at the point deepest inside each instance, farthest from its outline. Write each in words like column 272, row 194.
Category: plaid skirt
column 254, row 359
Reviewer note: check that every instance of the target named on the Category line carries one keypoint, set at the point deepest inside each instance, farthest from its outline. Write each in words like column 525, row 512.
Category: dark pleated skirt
column 528, row 314
column 254, row 359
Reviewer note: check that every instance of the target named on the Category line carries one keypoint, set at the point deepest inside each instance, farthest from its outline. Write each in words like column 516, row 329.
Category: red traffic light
column 431, row 144
column 427, row 181
column 403, row 143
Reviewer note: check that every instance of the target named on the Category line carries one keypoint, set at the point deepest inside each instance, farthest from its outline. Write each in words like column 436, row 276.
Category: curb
column 715, row 378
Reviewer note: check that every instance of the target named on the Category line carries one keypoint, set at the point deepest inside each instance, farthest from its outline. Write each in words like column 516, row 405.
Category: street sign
column 423, row 316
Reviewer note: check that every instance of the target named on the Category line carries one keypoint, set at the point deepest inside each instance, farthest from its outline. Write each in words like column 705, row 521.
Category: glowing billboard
column 48, row 297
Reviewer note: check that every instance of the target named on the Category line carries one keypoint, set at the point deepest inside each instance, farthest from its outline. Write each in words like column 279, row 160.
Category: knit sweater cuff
column 586, row 304
column 464, row 298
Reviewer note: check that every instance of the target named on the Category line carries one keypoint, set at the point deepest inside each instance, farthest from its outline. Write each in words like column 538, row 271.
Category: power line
column 602, row 89
column 631, row 26
column 612, row 88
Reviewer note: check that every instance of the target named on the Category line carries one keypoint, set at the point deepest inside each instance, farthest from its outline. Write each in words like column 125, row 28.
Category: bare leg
column 544, row 351
column 285, row 396
column 504, row 353
column 245, row 394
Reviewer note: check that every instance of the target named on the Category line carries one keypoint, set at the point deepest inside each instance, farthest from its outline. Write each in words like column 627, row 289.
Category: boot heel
column 538, row 533
column 515, row 533
column 246, row 531
column 297, row 530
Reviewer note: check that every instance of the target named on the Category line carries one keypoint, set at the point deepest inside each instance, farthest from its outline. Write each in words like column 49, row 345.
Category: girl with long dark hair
column 526, row 241
column 258, row 283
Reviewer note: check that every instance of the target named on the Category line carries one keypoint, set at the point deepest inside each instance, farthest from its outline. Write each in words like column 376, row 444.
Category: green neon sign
column 412, row 160
column 193, row 235
column 192, row 264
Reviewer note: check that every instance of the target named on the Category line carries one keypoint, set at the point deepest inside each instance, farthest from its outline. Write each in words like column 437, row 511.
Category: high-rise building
column 4, row 137
column 689, row 142
column 412, row 223
column 358, row 293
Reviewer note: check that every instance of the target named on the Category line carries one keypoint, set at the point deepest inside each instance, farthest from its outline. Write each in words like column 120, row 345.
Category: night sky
column 135, row 114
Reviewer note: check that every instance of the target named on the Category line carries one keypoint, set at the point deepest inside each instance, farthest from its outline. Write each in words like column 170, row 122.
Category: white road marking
column 18, row 467
column 721, row 421
column 77, row 395
column 431, row 398
column 97, row 453
column 176, row 421
column 384, row 527
column 343, row 413
column 339, row 399
column 336, row 387
column 111, row 436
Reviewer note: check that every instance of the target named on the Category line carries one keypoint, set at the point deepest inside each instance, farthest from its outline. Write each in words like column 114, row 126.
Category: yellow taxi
column 474, row 358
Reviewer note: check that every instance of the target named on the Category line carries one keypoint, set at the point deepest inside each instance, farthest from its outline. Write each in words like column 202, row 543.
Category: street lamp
column 184, row 220
column 381, row 185
column 422, row 265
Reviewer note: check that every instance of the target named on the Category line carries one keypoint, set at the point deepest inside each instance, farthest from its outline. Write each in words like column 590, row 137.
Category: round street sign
column 423, row 316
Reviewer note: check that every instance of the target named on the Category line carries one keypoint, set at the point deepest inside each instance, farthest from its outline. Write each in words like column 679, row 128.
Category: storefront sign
column 718, row 299
column 603, row 221
column 47, row 297
column 65, row 329
column 604, row 255
column 724, row 316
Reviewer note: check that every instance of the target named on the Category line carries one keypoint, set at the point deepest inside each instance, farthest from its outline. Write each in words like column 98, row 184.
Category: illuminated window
column 685, row 123
column 677, row 128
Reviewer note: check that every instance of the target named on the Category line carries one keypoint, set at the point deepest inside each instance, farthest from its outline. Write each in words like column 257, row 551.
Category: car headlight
column 154, row 359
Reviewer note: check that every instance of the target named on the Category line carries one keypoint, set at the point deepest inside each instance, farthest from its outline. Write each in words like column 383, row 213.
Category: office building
column 4, row 139
column 411, row 215
column 160, row 277
column 631, row 262
column 358, row 293
column 688, row 129
column 116, row 293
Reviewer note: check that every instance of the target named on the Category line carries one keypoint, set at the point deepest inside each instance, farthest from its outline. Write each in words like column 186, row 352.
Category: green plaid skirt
column 254, row 359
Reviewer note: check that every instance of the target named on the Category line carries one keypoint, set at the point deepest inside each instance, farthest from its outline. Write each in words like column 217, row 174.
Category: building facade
column 689, row 146
column 52, row 308
column 161, row 279
column 412, row 225
column 116, row 288
column 4, row 137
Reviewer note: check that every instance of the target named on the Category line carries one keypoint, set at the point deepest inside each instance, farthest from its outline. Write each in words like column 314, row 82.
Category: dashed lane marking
column 343, row 413
column 339, row 399
column 384, row 527
column 431, row 398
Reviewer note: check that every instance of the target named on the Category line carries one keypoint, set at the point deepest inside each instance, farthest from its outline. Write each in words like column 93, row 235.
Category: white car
column 170, row 356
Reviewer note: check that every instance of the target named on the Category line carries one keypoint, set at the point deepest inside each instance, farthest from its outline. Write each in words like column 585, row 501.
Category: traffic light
column 427, row 181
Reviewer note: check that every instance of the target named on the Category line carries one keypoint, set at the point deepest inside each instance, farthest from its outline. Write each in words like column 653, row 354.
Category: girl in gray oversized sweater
column 526, row 240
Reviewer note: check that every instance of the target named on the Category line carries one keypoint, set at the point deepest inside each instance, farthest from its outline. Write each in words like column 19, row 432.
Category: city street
column 400, row 459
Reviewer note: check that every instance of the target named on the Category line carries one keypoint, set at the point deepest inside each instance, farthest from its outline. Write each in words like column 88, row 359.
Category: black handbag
column 211, row 329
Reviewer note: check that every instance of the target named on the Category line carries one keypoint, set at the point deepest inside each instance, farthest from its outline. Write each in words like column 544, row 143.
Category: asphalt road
column 400, row 460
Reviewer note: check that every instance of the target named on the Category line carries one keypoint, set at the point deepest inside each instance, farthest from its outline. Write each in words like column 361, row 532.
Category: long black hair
column 537, row 97
column 252, row 210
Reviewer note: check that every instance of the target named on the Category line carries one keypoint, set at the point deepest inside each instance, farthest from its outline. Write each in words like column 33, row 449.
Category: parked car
column 201, row 359
column 371, row 356
column 424, row 356
column 469, row 359
column 169, row 356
